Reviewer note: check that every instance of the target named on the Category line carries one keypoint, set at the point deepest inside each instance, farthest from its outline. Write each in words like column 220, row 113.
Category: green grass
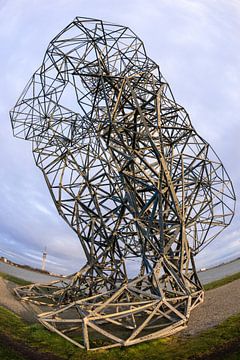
column 8, row 354
column 165, row 349
column 175, row 348
column 221, row 282
column 14, row 279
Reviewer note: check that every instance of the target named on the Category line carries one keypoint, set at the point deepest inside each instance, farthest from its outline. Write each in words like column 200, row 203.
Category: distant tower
column 44, row 258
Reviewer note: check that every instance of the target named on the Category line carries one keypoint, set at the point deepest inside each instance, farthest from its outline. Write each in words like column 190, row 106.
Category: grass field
column 226, row 335
column 221, row 342
column 221, row 282
column 14, row 279
column 8, row 354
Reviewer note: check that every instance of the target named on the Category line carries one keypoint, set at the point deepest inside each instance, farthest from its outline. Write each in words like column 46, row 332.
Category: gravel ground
column 9, row 300
column 219, row 304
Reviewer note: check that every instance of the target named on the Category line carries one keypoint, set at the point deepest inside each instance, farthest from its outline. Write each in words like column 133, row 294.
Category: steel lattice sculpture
column 131, row 176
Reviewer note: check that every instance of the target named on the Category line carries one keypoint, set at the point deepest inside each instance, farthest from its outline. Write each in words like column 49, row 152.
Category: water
column 219, row 272
column 25, row 274
column 205, row 277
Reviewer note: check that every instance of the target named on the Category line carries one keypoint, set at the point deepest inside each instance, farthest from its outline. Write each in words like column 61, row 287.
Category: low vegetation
column 14, row 279
column 215, row 340
column 221, row 282
column 8, row 354
column 212, row 344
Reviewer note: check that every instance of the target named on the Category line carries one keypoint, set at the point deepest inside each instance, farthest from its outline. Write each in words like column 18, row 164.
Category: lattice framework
column 132, row 177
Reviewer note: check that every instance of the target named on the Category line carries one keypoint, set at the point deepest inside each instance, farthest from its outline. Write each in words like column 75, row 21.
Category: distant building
column 44, row 259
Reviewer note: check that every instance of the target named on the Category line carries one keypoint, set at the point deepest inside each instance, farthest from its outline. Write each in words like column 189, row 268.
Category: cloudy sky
column 195, row 42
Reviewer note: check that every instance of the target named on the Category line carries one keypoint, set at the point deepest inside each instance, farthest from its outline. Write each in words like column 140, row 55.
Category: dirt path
column 219, row 304
column 10, row 301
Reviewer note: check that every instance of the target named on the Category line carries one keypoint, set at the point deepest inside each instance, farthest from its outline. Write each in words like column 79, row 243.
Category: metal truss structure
column 132, row 177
